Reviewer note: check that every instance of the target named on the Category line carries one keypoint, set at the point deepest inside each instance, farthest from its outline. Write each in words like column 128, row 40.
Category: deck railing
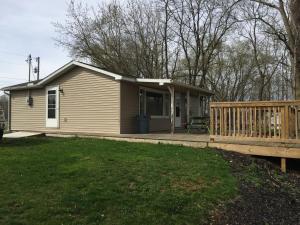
column 277, row 120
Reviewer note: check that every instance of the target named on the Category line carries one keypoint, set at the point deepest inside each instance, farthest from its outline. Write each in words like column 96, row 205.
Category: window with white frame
column 51, row 104
column 154, row 103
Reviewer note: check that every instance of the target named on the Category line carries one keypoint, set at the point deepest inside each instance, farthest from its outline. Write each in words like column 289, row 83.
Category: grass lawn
column 91, row 181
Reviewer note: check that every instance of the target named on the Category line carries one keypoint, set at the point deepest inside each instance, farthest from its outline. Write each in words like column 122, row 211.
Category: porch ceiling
column 179, row 87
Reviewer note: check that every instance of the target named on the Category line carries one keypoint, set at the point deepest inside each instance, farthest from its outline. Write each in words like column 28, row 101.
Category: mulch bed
column 267, row 197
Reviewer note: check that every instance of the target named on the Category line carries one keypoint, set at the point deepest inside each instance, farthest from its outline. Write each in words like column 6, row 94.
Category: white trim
column 52, row 123
column 150, row 80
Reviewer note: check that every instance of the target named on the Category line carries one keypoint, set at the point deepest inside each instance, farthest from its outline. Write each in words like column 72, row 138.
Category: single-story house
column 81, row 98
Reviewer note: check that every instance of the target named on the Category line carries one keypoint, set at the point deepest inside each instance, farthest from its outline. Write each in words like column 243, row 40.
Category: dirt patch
column 266, row 196
column 189, row 185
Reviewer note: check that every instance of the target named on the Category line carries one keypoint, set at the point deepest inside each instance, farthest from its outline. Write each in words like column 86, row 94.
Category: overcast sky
column 26, row 27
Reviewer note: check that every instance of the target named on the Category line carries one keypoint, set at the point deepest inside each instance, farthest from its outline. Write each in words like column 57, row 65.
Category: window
column 51, row 104
column 154, row 103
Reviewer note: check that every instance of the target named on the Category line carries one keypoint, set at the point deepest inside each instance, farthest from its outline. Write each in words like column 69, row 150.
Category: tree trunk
column 295, row 17
column 297, row 68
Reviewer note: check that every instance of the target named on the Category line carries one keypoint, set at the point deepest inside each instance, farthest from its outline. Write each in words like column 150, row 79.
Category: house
column 81, row 98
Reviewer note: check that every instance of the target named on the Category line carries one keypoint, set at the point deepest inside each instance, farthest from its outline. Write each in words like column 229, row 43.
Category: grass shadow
column 24, row 142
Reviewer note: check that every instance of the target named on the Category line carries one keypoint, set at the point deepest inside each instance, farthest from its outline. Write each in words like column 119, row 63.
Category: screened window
column 52, row 104
column 154, row 103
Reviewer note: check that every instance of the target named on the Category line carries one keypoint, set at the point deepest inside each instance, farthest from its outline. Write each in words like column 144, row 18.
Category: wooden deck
column 269, row 128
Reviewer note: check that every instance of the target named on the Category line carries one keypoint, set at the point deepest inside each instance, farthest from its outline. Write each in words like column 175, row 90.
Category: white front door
column 52, row 106
column 177, row 110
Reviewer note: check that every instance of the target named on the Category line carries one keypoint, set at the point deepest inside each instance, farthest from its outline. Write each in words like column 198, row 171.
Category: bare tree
column 125, row 38
column 231, row 73
column 201, row 27
column 240, row 51
column 284, row 29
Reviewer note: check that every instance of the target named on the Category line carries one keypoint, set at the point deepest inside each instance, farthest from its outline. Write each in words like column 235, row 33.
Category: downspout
column 9, row 111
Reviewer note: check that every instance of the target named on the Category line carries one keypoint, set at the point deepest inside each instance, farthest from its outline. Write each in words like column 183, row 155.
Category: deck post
column 188, row 106
column 172, row 94
column 283, row 165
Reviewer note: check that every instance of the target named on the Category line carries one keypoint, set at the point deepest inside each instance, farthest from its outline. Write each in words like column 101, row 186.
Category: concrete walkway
column 21, row 134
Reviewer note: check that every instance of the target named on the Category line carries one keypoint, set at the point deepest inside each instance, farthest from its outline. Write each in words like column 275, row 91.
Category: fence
column 263, row 120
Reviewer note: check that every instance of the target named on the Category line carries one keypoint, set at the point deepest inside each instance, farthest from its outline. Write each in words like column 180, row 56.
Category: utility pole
column 29, row 60
column 37, row 69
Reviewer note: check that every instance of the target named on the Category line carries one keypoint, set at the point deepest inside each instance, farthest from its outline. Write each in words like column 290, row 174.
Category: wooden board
column 258, row 150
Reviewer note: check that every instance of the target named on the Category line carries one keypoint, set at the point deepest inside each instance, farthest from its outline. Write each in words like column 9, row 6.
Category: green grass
column 90, row 181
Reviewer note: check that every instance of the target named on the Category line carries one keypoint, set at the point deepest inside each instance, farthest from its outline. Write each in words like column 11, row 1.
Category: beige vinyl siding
column 25, row 117
column 90, row 103
column 129, row 107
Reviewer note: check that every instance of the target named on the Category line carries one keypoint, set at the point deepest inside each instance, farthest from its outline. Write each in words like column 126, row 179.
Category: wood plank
column 243, row 120
column 238, row 120
column 258, row 150
column 255, row 121
column 296, row 121
column 283, row 165
column 279, row 122
column 216, row 121
column 282, row 121
column 221, row 121
column 287, row 127
column 246, row 121
column 234, row 121
column 243, row 140
column 259, row 122
column 269, row 121
column 265, row 123
column 229, row 121
column 275, row 121
column 251, row 121
column 211, row 121
column 225, row 121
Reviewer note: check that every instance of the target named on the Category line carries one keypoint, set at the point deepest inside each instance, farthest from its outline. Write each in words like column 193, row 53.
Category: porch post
column 188, row 106
column 199, row 104
column 172, row 93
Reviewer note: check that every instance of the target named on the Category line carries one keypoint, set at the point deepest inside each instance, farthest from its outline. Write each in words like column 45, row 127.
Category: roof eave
column 171, row 82
column 35, row 86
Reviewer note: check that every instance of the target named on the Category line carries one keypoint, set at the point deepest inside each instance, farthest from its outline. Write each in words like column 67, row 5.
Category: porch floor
column 268, row 147
column 262, row 148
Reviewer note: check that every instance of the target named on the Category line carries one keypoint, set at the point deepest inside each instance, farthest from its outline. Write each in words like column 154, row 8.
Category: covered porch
column 164, row 100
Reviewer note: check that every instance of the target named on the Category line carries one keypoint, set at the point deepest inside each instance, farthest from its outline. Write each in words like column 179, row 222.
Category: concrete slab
column 21, row 134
